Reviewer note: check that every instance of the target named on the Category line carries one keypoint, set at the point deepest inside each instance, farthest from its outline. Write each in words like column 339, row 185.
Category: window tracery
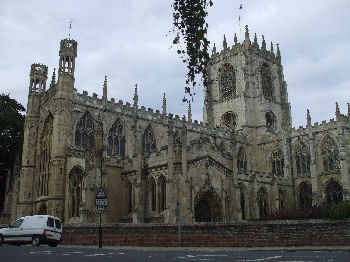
column 277, row 162
column 45, row 153
column 84, row 133
column 302, row 158
column 241, row 160
column 148, row 141
column 266, row 79
column 229, row 119
column 227, row 82
column 76, row 185
column 116, row 140
column 330, row 155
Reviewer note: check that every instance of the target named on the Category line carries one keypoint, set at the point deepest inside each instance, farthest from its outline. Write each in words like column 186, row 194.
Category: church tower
column 246, row 88
column 37, row 86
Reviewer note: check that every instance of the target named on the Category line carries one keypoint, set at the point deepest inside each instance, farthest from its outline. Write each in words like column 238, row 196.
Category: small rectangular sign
column 101, row 202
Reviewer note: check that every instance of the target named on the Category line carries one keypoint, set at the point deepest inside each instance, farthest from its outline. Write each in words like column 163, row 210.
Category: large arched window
column 75, row 190
column 305, row 195
column 302, row 158
column 266, row 82
column 334, row 193
column 116, row 140
column 84, row 133
column 241, row 160
column 148, row 141
column 45, row 153
column 263, row 203
column 330, row 154
column 229, row 119
column 277, row 162
column 162, row 193
column 227, row 82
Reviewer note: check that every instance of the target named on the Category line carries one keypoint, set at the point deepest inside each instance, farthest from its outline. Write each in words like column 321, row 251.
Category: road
column 86, row 254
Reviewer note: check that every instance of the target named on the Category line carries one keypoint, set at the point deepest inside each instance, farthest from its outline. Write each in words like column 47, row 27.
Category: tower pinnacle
column 104, row 97
column 136, row 97
column 164, row 105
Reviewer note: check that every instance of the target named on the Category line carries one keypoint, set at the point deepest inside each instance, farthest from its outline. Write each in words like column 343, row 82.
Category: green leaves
column 190, row 28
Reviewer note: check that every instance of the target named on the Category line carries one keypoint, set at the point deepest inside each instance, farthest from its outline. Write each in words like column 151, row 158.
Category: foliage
column 190, row 28
column 11, row 136
column 314, row 212
column 340, row 211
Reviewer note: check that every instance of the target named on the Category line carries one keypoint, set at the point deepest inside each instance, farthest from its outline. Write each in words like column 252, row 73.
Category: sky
column 129, row 42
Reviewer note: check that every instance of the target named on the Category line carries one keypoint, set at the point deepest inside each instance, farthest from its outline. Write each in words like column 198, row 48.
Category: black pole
column 100, row 232
column 100, row 211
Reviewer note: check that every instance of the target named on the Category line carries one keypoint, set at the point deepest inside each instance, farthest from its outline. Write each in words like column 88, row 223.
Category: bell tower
column 246, row 88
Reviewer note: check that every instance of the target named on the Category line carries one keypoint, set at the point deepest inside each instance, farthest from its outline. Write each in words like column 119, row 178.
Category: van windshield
column 58, row 224
column 50, row 222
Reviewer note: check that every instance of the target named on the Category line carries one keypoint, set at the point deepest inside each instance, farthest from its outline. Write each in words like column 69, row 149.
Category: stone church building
column 242, row 162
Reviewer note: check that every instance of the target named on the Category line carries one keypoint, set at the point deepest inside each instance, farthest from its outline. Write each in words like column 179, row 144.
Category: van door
column 14, row 231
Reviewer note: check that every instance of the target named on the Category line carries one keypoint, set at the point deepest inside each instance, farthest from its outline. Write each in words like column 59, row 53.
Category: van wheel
column 36, row 241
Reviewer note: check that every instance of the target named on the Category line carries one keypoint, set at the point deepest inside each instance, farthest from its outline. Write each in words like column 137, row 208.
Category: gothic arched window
column 330, row 155
column 116, row 140
column 270, row 120
column 75, row 190
column 162, row 193
column 302, row 158
column 45, row 153
column 241, row 160
column 277, row 162
column 227, row 82
column 148, row 141
column 229, row 119
column 305, row 195
column 262, row 202
column 334, row 193
column 84, row 133
column 266, row 82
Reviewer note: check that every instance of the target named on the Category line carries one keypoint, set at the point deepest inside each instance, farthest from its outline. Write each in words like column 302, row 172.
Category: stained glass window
column 277, row 162
column 229, row 119
column 148, row 141
column 302, row 158
column 270, row 120
column 84, row 133
column 241, row 160
column 334, row 193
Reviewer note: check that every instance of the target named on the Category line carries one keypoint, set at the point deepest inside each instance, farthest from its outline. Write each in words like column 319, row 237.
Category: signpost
column 101, row 203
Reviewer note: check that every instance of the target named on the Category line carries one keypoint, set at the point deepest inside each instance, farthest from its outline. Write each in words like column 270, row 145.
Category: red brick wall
column 248, row 234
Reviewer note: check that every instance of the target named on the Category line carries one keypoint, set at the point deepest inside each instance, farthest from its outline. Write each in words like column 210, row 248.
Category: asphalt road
column 86, row 254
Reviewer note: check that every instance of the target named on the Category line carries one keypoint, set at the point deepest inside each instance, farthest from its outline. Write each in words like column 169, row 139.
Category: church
column 243, row 161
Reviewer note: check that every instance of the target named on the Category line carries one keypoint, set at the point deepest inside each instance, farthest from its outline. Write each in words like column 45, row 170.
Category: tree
column 11, row 137
column 191, row 28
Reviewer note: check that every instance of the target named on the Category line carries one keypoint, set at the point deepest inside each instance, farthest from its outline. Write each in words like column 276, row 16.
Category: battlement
column 68, row 46
column 38, row 69
column 246, row 45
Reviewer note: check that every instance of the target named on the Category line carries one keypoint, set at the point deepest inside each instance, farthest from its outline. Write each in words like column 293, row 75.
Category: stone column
column 315, row 177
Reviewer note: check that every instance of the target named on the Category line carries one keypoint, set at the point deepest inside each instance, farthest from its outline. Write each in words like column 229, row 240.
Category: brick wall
column 248, row 234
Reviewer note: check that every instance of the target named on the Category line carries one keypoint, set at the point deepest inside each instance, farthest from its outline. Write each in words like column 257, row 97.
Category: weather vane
column 70, row 26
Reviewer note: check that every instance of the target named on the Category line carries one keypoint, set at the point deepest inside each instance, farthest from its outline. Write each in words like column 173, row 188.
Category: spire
column 214, row 49
column 337, row 111
column 308, row 118
column 348, row 110
column 278, row 53
column 189, row 112
column 235, row 39
column 271, row 49
column 263, row 44
column 53, row 79
column 136, row 97
column 224, row 43
column 104, row 97
column 164, row 105
column 255, row 40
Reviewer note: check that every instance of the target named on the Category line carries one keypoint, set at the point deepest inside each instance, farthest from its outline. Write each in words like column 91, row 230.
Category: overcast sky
column 126, row 40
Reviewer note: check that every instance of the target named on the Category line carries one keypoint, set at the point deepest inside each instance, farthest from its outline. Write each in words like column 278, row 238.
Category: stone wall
column 248, row 234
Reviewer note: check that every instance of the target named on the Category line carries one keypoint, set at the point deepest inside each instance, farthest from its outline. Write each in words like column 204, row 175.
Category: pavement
column 290, row 249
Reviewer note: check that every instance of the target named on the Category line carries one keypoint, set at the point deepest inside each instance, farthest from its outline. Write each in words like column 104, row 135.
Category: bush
column 314, row 212
column 340, row 211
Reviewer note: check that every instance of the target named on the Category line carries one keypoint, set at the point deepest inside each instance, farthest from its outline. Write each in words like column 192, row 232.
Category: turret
column 68, row 53
column 38, row 77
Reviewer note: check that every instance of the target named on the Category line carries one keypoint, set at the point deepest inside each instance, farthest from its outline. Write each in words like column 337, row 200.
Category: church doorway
column 208, row 208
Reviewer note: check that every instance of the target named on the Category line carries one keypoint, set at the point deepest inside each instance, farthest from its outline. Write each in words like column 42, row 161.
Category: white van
column 38, row 229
